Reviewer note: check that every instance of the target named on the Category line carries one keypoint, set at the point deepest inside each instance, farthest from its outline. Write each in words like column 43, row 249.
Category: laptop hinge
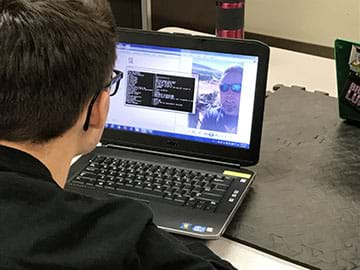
column 217, row 162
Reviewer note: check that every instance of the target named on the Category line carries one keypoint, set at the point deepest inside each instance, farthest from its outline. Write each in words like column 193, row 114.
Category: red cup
column 230, row 18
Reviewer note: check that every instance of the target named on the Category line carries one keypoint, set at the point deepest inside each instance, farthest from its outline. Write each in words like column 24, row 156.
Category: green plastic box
column 348, row 79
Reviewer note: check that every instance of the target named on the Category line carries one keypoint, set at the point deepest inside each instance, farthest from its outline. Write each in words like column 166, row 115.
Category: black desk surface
column 305, row 201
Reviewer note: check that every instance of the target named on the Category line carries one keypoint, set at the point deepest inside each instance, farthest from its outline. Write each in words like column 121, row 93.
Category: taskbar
column 178, row 136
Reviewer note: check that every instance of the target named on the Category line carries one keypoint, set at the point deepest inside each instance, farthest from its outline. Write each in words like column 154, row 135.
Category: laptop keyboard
column 149, row 182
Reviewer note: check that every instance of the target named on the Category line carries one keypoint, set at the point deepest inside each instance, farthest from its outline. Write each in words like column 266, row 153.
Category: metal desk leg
column 146, row 14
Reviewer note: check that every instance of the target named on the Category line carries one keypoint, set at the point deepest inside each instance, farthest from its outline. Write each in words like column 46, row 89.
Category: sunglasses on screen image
column 236, row 87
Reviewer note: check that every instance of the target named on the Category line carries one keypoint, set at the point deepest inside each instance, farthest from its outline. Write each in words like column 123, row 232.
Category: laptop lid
column 194, row 96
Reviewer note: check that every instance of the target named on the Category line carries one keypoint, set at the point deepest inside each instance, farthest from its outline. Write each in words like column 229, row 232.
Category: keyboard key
column 119, row 184
column 109, row 185
column 211, row 207
column 91, row 169
column 109, row 178
column 158, row 190
column 88, row 175
column 181, row 201
column 216, row 192
column 101, row 177
column 200, row 204
column 223, row 181
column 190, row 203
column 139, row 186
column 100, row 184
column 198, row 189
column 209, row 197
column 78, row 181
column 141, row 193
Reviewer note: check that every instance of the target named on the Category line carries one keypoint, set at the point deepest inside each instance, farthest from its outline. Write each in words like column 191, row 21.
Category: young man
column 225, row 118
column 56, row 60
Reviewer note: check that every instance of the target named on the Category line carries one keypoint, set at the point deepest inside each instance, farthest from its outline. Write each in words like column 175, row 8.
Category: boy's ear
column 99, row 111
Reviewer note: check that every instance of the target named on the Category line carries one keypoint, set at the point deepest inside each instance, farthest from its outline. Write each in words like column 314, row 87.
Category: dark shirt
column 44, row 227
column 217, row 120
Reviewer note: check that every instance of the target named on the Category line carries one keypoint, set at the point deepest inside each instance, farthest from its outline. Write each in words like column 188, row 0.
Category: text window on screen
column 159, row 90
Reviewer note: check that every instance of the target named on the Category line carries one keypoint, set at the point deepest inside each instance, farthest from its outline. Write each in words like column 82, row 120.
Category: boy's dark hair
column 54, row 56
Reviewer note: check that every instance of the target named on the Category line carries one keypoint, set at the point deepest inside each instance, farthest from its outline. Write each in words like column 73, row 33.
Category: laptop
column 347, row 55
column 184, row 123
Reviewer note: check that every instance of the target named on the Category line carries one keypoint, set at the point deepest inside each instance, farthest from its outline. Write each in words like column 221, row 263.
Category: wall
column 311, row 21
column 199, row 15
column 127, row 12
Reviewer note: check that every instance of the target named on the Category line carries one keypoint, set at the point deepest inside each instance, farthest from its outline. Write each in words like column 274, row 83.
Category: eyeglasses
column 113, row 87
column 236, row 87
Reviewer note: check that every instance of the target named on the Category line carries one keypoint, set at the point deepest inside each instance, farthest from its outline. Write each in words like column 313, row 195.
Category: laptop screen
column 185, row 94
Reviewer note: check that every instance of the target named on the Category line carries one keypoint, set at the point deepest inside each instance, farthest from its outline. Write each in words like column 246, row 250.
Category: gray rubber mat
column 305, row 202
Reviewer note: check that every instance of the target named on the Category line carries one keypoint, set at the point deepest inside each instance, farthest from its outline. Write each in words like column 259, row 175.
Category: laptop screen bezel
column 213, row 152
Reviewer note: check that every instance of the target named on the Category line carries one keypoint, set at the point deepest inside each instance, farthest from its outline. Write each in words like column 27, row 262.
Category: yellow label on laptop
column 237, row 174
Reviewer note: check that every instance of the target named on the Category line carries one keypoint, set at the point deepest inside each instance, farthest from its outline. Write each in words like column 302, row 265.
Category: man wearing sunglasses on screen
column 56, row 79
column 225, row 117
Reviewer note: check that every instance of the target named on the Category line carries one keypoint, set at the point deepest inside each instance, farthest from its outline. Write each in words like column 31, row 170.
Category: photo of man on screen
column 224, row 118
